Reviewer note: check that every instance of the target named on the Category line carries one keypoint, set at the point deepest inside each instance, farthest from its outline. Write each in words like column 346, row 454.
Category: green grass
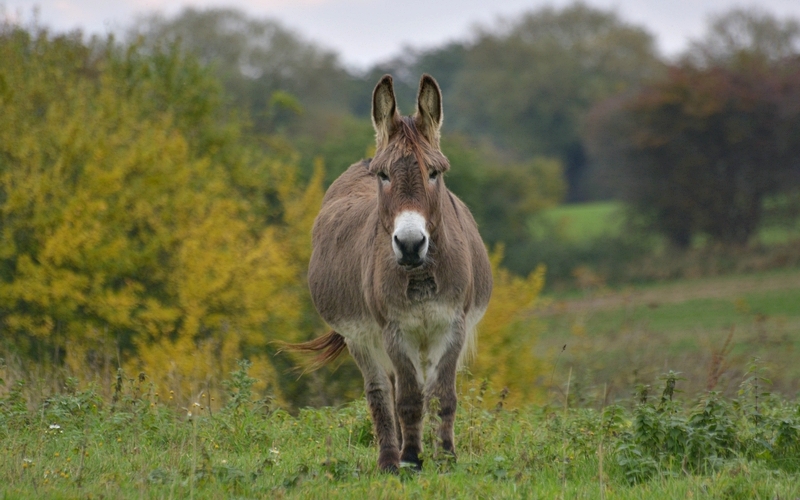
column 77, row 445
column 622, row 337
column 582, row 222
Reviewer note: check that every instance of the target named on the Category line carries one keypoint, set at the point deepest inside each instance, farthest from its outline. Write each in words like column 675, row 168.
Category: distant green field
column 582, row 222
column 623, row 337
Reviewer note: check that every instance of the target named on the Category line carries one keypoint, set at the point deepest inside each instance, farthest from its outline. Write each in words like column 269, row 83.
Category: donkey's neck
column 421, row 286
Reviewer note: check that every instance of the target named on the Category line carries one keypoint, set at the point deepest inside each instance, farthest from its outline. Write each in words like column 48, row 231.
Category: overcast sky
column 364, row 32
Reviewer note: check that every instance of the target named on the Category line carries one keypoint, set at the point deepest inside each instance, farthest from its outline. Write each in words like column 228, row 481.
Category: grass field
column 709, row 329
column 140, row 445
column 580, row 223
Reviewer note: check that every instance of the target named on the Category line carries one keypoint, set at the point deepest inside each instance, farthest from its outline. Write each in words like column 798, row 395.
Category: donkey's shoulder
column 356, row 181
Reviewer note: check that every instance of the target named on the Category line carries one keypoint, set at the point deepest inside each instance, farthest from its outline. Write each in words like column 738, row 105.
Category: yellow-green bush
column 507, row 335
column 132, row 217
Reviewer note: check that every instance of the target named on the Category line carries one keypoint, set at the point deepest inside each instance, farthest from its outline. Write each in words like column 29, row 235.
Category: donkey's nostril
column 418, row 246
column 410, row 248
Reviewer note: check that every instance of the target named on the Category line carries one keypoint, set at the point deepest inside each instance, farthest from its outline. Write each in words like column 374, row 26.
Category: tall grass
column 140, row 445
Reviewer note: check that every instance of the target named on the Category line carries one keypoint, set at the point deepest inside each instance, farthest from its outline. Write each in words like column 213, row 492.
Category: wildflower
column 55, row 426
column 274, row 451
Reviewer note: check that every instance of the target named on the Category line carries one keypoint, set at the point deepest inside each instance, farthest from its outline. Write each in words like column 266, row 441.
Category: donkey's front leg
column 442, row 383
column 408, row 387
column 379, row 398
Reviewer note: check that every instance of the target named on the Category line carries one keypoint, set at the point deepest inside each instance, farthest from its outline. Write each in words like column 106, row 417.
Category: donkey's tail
column 328, row 347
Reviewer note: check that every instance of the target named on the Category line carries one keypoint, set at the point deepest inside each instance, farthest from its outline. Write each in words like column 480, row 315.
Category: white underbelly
column 425, row 334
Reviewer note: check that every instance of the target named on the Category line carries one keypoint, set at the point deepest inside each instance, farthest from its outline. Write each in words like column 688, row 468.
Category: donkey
column 400, row 273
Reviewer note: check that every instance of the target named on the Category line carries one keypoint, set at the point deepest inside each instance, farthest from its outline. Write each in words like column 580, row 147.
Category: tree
column 699, row 151
column 527, row 84
column 503, row 194
column 742, row 37
column 262, row 65
column 139, row 225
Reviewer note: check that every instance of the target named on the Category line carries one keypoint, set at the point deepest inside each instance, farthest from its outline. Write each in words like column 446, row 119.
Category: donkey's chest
column 425, row 334
column 425, row 323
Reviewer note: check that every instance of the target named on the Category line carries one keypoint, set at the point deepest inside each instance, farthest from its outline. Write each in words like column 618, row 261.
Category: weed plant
column 139, row 444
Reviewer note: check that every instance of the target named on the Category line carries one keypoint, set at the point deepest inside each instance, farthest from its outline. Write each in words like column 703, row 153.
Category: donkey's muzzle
column 410, row 239
column 412, row 250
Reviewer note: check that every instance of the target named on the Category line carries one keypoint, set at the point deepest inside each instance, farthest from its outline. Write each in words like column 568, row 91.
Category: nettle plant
column 665, row 438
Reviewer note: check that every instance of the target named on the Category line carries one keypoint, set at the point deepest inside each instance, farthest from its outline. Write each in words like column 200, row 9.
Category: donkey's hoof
column 410, row 459
column 389, row 460
column 411, row 466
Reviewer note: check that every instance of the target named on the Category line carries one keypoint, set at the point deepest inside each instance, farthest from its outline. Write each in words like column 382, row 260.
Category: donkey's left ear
column 428, row 118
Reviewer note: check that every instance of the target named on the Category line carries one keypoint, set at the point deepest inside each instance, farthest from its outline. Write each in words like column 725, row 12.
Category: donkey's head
column 408, row 167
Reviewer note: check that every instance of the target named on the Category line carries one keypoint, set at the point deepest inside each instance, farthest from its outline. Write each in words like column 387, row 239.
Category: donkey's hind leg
column 378, row 389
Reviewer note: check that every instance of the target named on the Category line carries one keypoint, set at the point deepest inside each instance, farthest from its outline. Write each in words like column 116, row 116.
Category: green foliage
column 741, row 37
column 503, row 195
column 665, row 439
column 239, row 386
column 260, row 63
column 563, row 62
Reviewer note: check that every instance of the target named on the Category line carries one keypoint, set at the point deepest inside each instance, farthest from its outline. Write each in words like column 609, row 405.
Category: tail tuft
column 328, row 347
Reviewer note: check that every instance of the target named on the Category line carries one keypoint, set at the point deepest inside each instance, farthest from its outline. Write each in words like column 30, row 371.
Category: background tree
column 527, row 84
column 699, row 151
column 742, row 37
column 263, row 66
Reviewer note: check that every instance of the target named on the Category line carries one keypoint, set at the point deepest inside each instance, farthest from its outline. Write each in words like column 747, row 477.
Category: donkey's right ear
column 384, row 111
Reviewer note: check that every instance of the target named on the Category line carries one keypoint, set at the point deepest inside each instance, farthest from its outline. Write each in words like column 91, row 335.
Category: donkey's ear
column 384, row 111
column 429, row 109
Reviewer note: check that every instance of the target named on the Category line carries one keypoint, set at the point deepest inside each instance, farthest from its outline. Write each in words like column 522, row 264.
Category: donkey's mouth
column 410, row 263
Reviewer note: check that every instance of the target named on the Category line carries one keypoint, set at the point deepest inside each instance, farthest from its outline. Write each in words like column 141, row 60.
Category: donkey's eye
column 433, row 175
column 383, row 177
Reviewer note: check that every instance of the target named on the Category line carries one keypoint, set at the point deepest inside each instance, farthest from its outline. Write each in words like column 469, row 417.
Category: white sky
column 364, row 32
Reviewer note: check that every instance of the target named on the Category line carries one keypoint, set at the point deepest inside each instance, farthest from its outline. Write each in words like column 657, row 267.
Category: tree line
column 556, row 105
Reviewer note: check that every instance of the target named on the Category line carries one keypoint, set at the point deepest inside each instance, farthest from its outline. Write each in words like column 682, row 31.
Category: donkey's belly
column 426, row 332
